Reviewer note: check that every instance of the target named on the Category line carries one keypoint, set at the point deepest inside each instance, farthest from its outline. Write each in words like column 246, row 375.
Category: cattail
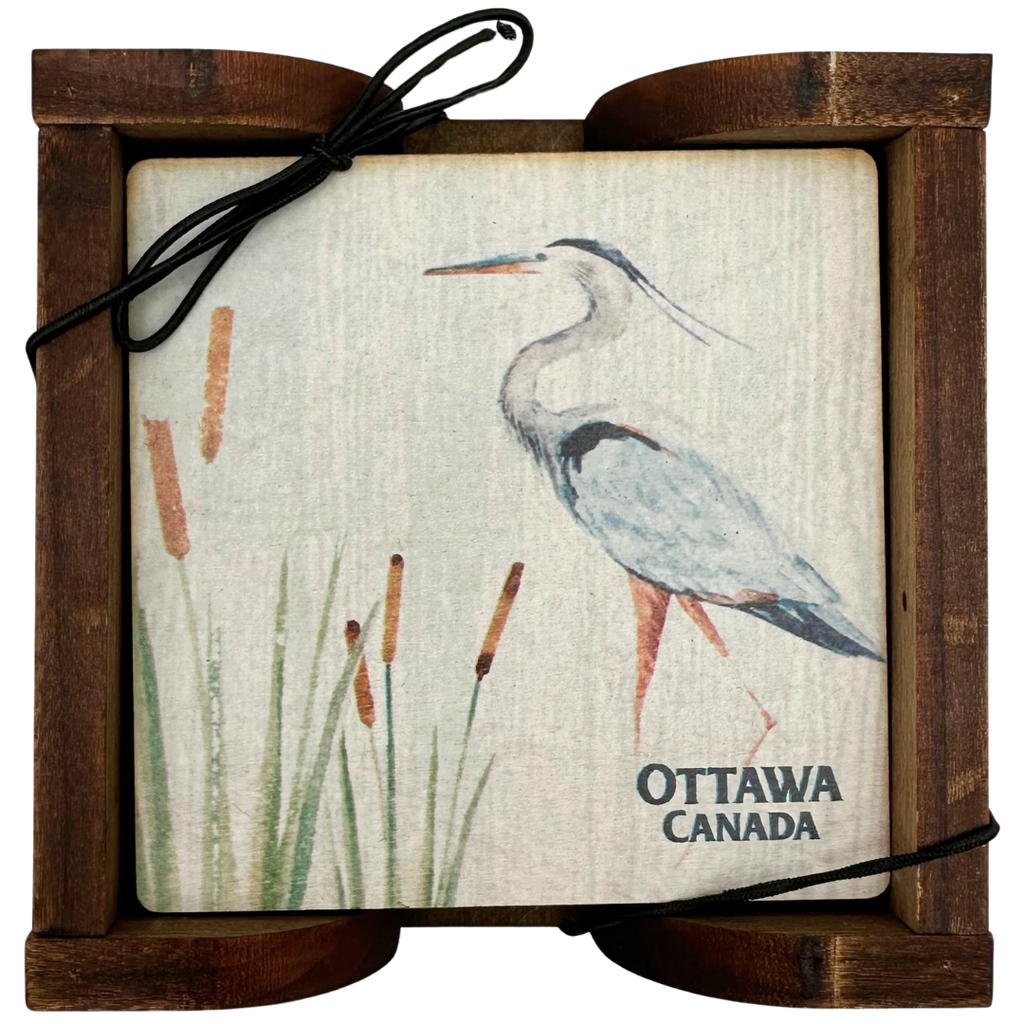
column 167, row 487
column 449, row 869
column 361, row 683
column 218, row 357
column 392, row 604
column 498, row 620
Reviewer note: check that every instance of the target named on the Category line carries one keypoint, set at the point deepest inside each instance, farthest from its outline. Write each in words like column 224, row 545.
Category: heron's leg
column 693, row 607
column 769, row 724
column 695, row 610
column 747, row 596
column 651, row 605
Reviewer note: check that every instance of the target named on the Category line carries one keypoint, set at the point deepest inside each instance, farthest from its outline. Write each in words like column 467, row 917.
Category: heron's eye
column 541, row 256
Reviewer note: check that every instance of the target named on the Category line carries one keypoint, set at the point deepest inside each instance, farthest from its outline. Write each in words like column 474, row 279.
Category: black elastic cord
column 372, row 121
column 606, row 917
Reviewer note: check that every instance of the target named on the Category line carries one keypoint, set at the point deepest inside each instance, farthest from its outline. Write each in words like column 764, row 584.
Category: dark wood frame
column 925, row 942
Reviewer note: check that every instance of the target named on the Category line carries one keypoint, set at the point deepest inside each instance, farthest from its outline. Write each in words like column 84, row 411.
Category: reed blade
column 267, row 867
column 144, row 888
column 207, row 866
column 427, row 895
column 225, row 881
column 350, row 830
column 339, row 882
column 339, row 888
column 300, row 778
column 442, row 883
column 391, row 896
column 160, row 861
column 305, row 831
column 452, row 883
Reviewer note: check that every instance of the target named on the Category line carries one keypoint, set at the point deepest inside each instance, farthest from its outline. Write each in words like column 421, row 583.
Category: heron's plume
column 693, row 325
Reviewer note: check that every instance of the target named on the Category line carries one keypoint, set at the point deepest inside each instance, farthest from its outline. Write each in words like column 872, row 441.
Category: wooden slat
column 806, row 959
column 191, row 94
column 177, row 962
column 78, row 537
column 823, row 97
column 498, row 137
column 937, row 511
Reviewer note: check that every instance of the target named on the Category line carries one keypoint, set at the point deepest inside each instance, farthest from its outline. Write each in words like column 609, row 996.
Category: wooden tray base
column 923, row 944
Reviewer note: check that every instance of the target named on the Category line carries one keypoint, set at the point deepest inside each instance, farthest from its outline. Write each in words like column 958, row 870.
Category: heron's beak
column 493, row 265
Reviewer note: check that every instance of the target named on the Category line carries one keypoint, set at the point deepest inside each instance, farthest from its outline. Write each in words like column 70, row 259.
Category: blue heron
column 677, row 525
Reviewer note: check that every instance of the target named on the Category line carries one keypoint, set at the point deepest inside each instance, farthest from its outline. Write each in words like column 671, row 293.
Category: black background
column 476, row 974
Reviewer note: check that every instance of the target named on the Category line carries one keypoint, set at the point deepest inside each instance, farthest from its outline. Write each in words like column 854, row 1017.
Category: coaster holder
column 925, row 942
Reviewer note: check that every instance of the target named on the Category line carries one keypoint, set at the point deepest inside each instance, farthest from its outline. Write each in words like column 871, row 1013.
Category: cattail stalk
column 484, row 660
column 218, row 358
column 174, row 527
column 389, row 647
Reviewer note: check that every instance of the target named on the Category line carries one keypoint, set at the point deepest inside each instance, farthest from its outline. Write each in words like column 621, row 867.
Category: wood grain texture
column 79, row 396
column 550, row 916
column 498, row 137
column 937, row 513
column 799, row 958
column 212, row 962
column 793, row 97
column 191, row 94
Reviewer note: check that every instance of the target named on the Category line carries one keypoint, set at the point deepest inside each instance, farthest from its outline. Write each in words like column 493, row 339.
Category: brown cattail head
column 392, row 605
column 166, row 486
column 352, row 631
column 218, row 357
column 498, row 620
column 361, row 682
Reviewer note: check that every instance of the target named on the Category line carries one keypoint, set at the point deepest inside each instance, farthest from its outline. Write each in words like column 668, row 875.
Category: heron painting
column 676, row 523
column 677, row 431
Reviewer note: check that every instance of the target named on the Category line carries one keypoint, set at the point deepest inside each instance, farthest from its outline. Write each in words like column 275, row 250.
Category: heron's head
column 580, row 257
column 507, row 263
column 586, row 260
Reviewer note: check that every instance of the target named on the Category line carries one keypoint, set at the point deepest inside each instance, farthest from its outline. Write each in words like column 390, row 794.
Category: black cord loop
column 372, row 121
column 607, row 917
column 336, row 161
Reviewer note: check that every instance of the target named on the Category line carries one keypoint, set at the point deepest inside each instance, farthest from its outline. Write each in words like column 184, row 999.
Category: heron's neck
column 609, row 294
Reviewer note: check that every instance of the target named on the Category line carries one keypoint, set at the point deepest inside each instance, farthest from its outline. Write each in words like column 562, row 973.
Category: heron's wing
column 672, row 518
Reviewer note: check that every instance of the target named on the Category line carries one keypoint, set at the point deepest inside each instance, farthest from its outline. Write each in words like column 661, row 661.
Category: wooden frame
column 924, row 943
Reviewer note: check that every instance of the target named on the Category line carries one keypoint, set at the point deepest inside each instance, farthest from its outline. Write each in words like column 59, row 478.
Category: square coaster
column 509, row 530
